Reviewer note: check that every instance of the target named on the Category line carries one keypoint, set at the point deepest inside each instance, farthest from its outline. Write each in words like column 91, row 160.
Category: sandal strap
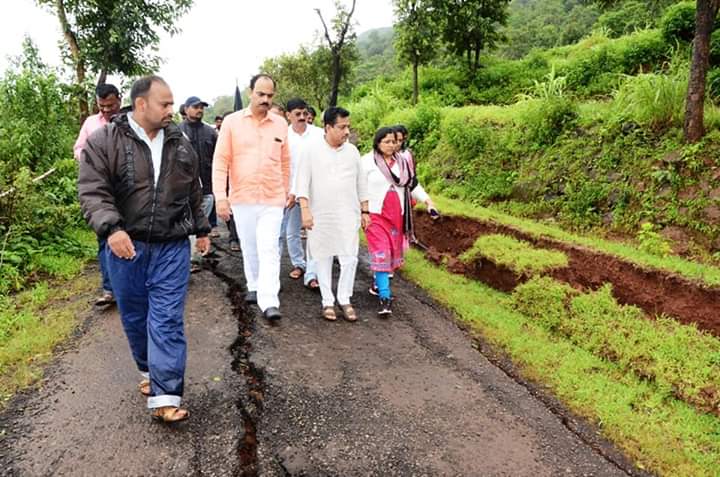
column 329, row 313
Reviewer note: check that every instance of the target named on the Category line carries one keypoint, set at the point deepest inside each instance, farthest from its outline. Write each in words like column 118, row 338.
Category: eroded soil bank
column 654, row 291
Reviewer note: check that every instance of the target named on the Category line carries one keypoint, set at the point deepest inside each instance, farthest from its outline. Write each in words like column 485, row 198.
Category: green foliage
column 660, row 433
column 545, row 300
column 36, row 136
column 307, row 73
column 469, row 26
column 678, row 22
column 548, row 118
column 652, row 242
column 655, row 350
column 120, row 37
column 655, row 101
column 517, row 255
column 377, row 55
column 545, row 24
column 628, row 17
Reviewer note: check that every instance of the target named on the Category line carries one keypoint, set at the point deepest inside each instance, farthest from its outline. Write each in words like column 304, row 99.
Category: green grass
column 32, row 323
column 707, row 274
column 35, row 320
column 661, row 433
column 679, row 359
column 517, row 255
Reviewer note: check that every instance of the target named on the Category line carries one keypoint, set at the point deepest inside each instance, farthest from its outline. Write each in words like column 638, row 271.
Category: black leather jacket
column 117, row 189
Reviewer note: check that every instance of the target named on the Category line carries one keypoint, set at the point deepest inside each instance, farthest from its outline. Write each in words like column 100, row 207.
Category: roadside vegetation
column 641, row 413
column 517, row 255
column 44, row 244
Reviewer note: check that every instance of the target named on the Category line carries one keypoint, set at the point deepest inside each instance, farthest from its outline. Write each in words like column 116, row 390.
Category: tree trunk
column 694, row 127
column 102, row 78
column 76, row 56
column 336, row 74
column 415, row 80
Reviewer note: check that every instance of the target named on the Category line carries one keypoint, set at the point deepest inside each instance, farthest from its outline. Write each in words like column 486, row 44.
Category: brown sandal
column 296, row 273
column 170, row 414
column 349, row 313
column 144, row 387
column 328, row 313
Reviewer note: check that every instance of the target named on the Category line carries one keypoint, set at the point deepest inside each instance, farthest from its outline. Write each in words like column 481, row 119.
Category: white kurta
column 332, row 181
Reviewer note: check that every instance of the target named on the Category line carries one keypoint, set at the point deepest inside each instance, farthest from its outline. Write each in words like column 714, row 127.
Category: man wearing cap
column 203, row 138
column 252, row 150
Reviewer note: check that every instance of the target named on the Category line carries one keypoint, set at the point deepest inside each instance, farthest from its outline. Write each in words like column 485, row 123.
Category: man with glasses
column 108, row 103
column 300, row 134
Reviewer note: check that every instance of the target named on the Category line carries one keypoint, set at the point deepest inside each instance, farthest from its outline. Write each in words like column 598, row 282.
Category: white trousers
column 258, row 228
column 348, row 266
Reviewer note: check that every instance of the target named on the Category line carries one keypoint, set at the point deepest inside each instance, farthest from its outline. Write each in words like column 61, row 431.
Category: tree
column 344, row 40
column 108, row 37
column 694, row 128
column 307, row 73
column 416, row 35
column 470, row 26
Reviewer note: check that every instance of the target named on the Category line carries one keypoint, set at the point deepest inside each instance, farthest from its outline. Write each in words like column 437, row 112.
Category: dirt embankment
column 654, row 291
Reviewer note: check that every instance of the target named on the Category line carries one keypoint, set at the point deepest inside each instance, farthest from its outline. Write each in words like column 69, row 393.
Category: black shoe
column 251, row 297
column 374, row 291
column 385, row 308
column 272, row 314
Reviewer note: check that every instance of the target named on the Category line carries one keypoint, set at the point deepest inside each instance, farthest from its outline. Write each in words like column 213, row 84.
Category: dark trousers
column 106, row 285
column 150, row 291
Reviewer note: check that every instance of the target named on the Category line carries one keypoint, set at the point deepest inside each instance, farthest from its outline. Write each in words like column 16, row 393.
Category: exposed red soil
column 654, row 291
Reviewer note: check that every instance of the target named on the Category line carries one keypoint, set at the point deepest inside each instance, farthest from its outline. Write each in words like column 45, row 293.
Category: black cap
column 193, row 100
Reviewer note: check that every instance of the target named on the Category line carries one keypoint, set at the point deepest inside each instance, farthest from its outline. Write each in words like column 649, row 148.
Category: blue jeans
column 106, row 285
column 150, row 291
column 290, row 231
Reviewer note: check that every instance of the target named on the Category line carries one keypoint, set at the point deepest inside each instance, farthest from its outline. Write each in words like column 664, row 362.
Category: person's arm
column 95, row 189
column 363, row 196
column 221, row 161
column 81, row 141
column 303, row 183
column 285, row 163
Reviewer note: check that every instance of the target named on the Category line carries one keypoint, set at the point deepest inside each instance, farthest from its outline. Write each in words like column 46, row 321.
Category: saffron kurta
column 332, row 181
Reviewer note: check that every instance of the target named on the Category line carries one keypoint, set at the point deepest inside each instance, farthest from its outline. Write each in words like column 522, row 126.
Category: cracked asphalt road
column 408, row 396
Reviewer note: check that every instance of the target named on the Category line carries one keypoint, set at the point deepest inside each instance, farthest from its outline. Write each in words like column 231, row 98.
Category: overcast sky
column 221, row 40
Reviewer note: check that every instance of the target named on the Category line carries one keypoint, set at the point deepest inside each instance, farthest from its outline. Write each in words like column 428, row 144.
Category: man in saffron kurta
column 333, row 197
column 252, row 150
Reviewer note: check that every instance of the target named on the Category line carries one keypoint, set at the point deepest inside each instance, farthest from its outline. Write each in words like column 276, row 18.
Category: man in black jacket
column 139, row 187
column 203, row 139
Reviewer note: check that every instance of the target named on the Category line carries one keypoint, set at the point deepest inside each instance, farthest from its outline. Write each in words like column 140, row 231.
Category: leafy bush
column 549, row 117
column 652, row 242
column 653, row 100
column 678, row 22
column 36, row 135
column 630, row 16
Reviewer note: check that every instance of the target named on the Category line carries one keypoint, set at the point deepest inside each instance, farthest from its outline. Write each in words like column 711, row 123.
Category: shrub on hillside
column 548, row 118
column 630, row 16
column 652, row 100
column 678, row 22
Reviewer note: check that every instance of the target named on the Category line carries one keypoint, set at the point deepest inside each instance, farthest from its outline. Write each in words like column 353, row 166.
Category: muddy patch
column 656, row 292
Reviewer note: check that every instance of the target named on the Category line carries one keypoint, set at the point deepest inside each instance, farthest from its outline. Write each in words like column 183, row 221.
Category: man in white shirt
column 332, row 192
column 300, row 133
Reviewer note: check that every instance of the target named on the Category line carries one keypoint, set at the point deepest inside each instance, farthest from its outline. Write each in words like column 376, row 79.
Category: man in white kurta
column 333, row 198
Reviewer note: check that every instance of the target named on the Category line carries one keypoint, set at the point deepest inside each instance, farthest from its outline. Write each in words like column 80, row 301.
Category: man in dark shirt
column 203, row 138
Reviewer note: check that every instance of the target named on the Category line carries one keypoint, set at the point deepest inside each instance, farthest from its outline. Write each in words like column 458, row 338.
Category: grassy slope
column 658, row 431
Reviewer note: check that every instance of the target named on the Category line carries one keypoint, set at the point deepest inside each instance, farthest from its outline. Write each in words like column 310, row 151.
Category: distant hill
column 377, row 54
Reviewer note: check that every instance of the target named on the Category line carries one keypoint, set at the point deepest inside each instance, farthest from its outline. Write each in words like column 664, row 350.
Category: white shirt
column 155, row 145
column 331, row 179
column 297, row 142
column 378, row 185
